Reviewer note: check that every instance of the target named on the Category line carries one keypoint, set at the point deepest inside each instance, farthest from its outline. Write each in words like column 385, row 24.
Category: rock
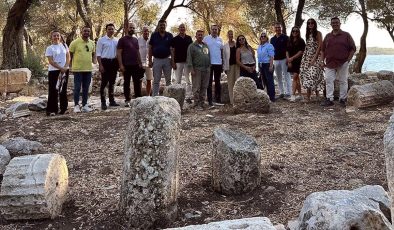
column 388, row 141
column 2, row 116
column 280, row 227
column 355, row 79
column 4, row 159
column 19, row 109
column 235, row 162
column 149, row 183
column 176, row 91
column 118, row 90
column 249, row 99
column 254, row 223
column 224, row 94
column 14, row 80
column 386, row 75
column 372, row 94
column 20, row 146
column 38, row 104
column 363, row 208
column 34, row 187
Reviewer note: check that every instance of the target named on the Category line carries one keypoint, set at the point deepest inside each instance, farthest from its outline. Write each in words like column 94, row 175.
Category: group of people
column 314, row 65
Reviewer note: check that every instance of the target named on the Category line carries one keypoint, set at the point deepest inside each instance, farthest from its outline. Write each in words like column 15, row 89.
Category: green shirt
column 198, row 56
column 82, row 55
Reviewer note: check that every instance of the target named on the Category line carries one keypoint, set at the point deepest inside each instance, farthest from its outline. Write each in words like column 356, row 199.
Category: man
column 198, row 60
column 143, row 44
column 179, row 46
column 279, row 41
column 108, row 64
column 130, row 63
column 337, row 50
column 159, row 48
column 82, row 55
column 215, row 45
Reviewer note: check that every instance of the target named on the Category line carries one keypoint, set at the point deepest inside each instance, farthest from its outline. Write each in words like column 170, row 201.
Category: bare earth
column 305, row 148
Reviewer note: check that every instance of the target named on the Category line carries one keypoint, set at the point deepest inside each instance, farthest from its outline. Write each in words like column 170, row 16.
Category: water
column 378, row 62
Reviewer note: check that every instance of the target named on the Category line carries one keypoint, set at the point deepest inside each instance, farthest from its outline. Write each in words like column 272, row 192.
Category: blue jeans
column 84, row 79
column 268, row 77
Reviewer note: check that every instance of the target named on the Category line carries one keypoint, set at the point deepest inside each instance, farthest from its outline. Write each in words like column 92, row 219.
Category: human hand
column 101, row 69
column 121, row 68
column 150, row 64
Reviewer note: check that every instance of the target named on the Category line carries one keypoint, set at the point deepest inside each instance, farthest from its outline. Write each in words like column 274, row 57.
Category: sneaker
column 327, row 102
column 86, row 109
column 127, row 104
column 189, row 101
column 286, row 96
column 77, row 109
column 280, row 96
column 342, row 102
column 299, row 98
column 292, row 98
column 113, row 103
column 218, row 104
column 103, row 106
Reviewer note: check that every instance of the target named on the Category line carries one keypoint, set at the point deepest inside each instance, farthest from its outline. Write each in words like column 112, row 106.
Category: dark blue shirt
column 280, row 44
column 160, row 45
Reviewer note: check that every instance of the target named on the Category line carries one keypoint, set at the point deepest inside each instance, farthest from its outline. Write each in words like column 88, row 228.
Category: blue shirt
column 265, row 52
column 161, row 45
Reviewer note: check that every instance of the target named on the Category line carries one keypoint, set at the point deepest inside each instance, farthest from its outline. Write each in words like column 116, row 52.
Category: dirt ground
column 305, row 148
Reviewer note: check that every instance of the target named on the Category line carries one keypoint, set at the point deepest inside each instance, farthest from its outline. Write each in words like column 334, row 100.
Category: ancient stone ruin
column 14, row 80
column 176, row 91
column 388, row 141
column 235, row 162
column 149, row 184
column 249, row 99
column 378, row 93
column 34, row 187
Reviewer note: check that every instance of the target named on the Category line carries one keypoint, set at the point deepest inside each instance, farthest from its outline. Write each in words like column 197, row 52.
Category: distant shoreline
column 380, row 51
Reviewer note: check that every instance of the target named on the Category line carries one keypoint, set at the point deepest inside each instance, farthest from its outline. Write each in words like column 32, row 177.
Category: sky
column 376, row 37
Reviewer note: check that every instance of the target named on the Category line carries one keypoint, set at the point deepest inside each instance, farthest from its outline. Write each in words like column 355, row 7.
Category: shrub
column 33, row 62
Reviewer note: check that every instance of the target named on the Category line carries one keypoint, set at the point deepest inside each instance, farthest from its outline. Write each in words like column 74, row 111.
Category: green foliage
column 33, row 62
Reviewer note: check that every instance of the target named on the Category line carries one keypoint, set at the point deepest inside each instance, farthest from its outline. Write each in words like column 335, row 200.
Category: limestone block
column 34, row 187
column 249, row 99
column 224, row 94
column 363, row 208
column 14, row 80
column 20, row 146
column 149, row 184
column 254, row 223
column 4, row 159
column 38, row 104
column 372, row 94
column 386, row 75
column 176, row 91
column 19, row 109
column 388, row 141
column 235, row 162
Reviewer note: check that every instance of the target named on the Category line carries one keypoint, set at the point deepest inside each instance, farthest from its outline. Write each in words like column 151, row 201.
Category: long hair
column 312, row 31
column 292, row 42
column 238, row 45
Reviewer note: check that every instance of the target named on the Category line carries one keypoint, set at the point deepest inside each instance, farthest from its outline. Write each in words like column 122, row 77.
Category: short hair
column 108, row 25
column 162, row 21
column 214, row 25
column 55, row 31
column 86, row 27
column 278, row 24
column 335, row 18
column 199, row 31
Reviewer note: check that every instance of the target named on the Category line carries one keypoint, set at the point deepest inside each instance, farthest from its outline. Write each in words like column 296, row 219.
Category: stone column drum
column 149, row 184
column 388, row 141
column 34, row 187
column 378, row 93
column 235, row 162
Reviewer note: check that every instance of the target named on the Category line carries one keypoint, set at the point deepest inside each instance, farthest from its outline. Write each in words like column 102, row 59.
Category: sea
column 378, row 62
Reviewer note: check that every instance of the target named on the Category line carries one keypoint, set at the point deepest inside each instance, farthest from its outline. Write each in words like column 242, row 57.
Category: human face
column 241, row 40
column 110, row 31
column 131, row 29
column 263, row 38
column 162, row 27
column 336, row 24
column 310, row 24
column 55, row 36
column 182, row 29
column 295, row 32
column 145, row 33
column 214, row 31
column 85, row 33
column 230, row 35
column 278, row 29
column 199, row 36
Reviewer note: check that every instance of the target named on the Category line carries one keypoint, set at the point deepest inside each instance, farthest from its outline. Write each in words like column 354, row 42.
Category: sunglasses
column 87, row 48
column 241, row 39
column 310, row 23
column 263, row 36
column 295, row 31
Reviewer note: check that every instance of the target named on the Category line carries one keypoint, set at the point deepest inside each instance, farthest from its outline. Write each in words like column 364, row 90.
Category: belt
column 109, row 59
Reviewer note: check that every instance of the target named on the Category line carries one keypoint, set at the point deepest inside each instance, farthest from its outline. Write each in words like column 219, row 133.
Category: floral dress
column 311, row 76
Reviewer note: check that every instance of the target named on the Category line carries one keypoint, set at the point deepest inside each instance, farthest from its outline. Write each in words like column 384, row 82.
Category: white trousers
column 283, row 77
column 341, row 73
column 183, row 70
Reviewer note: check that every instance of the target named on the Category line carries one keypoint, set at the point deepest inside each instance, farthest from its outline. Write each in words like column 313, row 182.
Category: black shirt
column 233, row 51
column 280, row 44
column 160, row 45
column 180, row 45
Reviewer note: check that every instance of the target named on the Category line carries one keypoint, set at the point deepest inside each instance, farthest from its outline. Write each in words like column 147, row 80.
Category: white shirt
column 215, row 46
column 58, row 53
column 144, row 48
column 106, row 47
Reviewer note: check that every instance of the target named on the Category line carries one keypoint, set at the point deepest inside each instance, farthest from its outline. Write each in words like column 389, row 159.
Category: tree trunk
column 166, row 13
column 28, row 42
column 362, row 54
column 13, row 35
column 85, row 16
column 279, row 14
column 298, row 19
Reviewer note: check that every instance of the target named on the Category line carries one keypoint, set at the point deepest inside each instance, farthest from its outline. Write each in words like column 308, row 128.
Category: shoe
column 86, row 109
column 292, row 98
column 286, row 96
column 189, row 101
column 280, row 96
column 299, row 98
column 327, row 102
column 127, row 104
column 200, row 108
column 342, row 102
column 113, row 103
column 103, row 106
column 51, row 114
column 218, row 104
column 77, row 109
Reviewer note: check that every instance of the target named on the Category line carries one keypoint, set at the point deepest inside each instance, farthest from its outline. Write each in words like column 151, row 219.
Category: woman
column 246, row 60
column 265, row 56
column 311, row 71
column 295, row 49
column 59, row 59
column 230, row 64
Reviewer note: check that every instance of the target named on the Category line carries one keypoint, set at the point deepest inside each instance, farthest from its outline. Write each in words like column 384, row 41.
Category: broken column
column 34, row 187
column 176, row 91
column 388, row 141
column 149, row 185
column 378, row 93
column 235, row 162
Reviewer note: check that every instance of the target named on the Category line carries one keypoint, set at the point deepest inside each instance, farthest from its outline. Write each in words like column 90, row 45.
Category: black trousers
column 252, row 75
column 132, row 71
column 108, row 78
column 54, row 96
column 216, row 73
